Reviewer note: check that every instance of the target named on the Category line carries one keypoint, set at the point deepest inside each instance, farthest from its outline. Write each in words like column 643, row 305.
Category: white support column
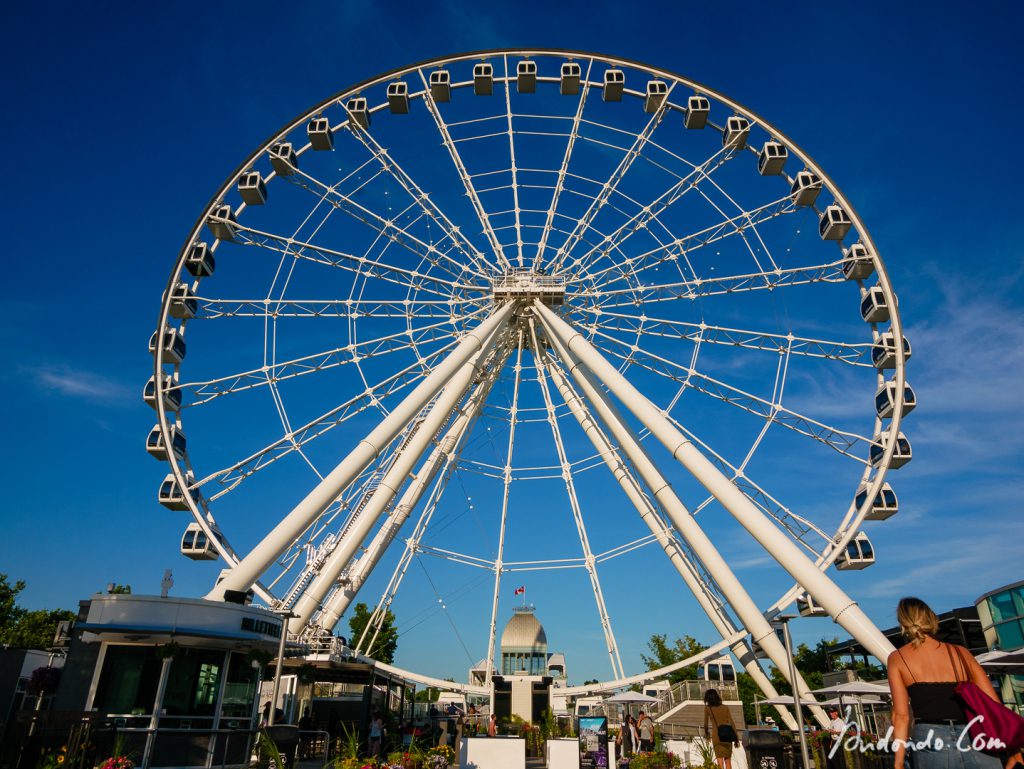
column 823, row 590
column 749, row 614
column 392, row 481
column 679, row 559
column 250, row 568
column 343, row 596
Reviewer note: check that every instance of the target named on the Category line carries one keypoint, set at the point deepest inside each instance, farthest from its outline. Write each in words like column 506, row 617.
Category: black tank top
column 935, row 702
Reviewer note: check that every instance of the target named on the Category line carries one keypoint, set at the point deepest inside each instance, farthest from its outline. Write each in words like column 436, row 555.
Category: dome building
column 524, row 645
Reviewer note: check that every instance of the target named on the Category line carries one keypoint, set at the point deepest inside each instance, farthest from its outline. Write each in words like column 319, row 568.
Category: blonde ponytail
column 916, row 619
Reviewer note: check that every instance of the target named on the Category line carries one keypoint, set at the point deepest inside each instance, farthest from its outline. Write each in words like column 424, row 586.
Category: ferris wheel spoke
column 610, row 187
column 230, row 477
column 729, row 227
column 846, row 443
column 385, row 227
column 577, row 513
column 512, row 164
column 209, row 308
column 467, row 181
column 846, row 352
column 211, row 389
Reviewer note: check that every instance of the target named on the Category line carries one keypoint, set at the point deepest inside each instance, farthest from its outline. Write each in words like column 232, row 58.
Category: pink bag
column 990, row 720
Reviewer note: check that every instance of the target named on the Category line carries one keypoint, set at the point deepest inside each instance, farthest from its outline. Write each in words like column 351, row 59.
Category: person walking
column 625, row 738
column 645, row 726
column 376, row 734
column 492, row 726
column 923, row 675
column 723, row 736
column 836, row 727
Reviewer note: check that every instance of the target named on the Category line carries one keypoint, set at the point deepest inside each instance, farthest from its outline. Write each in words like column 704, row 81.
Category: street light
column 783, row 621
column 285, row 615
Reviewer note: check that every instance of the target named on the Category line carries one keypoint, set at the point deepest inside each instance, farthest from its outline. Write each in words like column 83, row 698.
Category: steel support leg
column 250, row 568
column 823, row 590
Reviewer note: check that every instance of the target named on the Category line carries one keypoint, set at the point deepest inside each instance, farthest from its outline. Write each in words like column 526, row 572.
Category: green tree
column 23, row 628
column 663, row 653
column 748, row 690
column 10, row 612
column 387, row 640
column 811, row 663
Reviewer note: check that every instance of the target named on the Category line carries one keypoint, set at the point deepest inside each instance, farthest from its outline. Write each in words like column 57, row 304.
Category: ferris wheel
column 538, row 290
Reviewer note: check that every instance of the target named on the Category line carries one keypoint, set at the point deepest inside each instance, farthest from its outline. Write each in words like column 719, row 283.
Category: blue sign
column 593, row 743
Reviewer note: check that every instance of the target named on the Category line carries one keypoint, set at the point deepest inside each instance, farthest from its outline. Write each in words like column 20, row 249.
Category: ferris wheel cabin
column 172, row 496
column 252, row 188
column 358, row 112
column 200, row 261
column 283, row 159
column 173, row 345
column 883, row 351
column 483, row 78
column 170, row 395
column 873, row 306
column 772, row 159
column 526, row 76
column 718, row 671
column 657, row 91
column 441, row 85
column 806, row 606
column 806, row 188
column 697, row 110
column 900, row 455
column 859, row 554
column 884, row 506
column 319, row 132
column 196, row 545
column 885, row 399
column 737, row 129
column 155, row 443
column 398, row 97
column 222, row 223
column 857, row 262
column 569, row 79
column 614, row 83
column 834, row 223
column 183, row 302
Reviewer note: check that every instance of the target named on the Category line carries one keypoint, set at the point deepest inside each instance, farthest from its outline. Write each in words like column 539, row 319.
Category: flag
column 521, row 590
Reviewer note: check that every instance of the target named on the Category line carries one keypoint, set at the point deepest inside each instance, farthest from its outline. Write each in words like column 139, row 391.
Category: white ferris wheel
column 531, row 291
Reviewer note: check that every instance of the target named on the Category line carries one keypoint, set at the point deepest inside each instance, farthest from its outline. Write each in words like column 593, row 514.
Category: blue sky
column 125, row 125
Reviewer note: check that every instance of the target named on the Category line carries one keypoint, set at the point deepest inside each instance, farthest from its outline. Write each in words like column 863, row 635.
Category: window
column 128, row 680
column 193, row 683
column 240, row 688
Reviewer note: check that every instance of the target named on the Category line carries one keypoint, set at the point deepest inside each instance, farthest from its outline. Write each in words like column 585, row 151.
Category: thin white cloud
column 78, row 383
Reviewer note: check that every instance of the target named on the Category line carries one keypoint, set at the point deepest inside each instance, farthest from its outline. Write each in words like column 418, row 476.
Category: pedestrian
column 723, row 736
column 376, row 734
column 645, row 726
column 923, row 675
column 836, row 727
column 492, row 726
column 626, row 737
column 634, row 734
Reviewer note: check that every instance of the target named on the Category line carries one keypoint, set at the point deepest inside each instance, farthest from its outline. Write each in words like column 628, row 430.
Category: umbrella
column 786, row 699
column 854, row 687
column 630, row 697
column 998, row 661
column 854, row 698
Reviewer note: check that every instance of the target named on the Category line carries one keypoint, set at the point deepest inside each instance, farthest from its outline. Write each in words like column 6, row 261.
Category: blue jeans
column 955, row 752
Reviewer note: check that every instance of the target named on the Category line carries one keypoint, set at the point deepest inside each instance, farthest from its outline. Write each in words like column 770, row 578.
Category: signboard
column 593, row 743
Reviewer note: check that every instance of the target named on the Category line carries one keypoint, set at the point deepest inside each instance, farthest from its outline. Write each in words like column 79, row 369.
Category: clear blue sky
column 126, row 119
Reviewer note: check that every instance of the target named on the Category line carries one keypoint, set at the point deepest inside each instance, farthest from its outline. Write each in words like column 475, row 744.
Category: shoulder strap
column 714, row 720
column 961, row 660
column 906, row 665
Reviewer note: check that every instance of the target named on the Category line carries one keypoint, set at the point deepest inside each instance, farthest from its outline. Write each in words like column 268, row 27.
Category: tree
column 811, row 663
column 23, row 628
column 666, row 654
column 387, row 640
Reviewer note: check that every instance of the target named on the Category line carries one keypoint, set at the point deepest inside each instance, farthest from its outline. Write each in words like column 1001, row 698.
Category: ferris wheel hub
column 524, row 283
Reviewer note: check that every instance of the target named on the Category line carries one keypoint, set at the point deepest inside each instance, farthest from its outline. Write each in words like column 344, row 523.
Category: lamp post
column 285, row 615
column 782, row 620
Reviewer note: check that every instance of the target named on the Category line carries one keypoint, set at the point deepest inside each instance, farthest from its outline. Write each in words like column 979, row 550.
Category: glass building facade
column 1002, row 621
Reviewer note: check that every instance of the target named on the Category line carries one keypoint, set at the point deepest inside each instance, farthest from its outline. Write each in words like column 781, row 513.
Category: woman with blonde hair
column 923, row 675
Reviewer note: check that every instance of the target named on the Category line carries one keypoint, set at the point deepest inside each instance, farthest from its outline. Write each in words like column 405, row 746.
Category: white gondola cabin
column 319, row 132
column 834, row 223
column 173, row 345
column 808, row 608
column 200, row 261
column 155, row 443
column 358, row 112
column 196, row 545
column 857, row 262
column 900, row 455
column 283, row 159
column 526, row 76
column 719, row 670
column 885, row 504
column 883, row 351
column 171, row 495
column 252, row 188
column 885, row 399
column 657, row 91
column 737, row 129
column 614, row 83
column 772, row 159
column 483, row 78
column 222, row 223
column 441, row 85
column 859, row 554
column 398, row 97
column 697, row 110
column 806, row 188
column 169, row 393
column 183, row 302
column 873, row 305
column 569, row 79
